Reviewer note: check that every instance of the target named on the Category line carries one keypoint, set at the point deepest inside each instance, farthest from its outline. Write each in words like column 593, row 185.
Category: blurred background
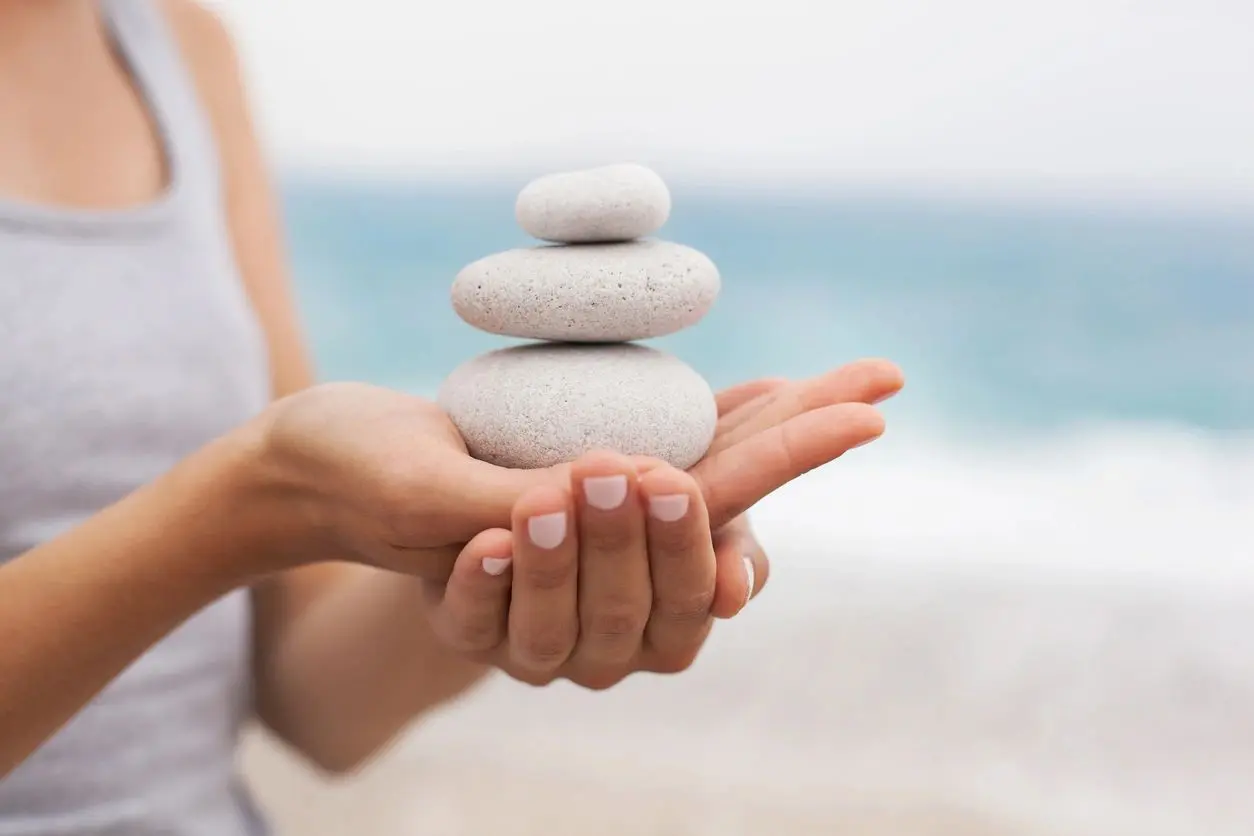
column 1029, row 608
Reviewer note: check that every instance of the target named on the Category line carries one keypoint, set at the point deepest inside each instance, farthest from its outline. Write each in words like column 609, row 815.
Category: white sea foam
column 1112, row 504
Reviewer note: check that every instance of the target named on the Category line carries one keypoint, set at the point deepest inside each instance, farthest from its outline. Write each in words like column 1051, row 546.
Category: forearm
column 355, row 666
column 80, row 608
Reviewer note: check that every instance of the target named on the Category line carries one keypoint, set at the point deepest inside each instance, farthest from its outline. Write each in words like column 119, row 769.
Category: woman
column 191, row 534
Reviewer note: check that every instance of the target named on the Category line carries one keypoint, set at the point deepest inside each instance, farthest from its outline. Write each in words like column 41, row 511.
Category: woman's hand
column 384, row 478
column 611, row 574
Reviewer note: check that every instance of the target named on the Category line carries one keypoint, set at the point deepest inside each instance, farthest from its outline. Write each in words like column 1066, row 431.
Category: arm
column 80, row 608
column 345, row 655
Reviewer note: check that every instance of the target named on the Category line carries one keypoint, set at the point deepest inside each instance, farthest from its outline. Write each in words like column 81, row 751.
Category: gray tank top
column 126, row 343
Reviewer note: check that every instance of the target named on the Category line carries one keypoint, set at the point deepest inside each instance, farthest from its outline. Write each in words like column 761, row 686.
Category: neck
column 43, row 40
column 29, row 27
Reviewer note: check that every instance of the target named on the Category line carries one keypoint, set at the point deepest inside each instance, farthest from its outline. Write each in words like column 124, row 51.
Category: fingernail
column 750, row 579
column 605, row 492
column 669, row 508
column 547, row 530
column 496, row 565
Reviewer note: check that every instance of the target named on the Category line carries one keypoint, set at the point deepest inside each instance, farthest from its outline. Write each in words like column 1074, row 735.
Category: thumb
column 471, row 496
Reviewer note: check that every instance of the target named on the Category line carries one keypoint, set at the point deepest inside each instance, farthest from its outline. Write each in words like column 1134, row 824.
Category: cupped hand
column 384, row 478
column 612, row 574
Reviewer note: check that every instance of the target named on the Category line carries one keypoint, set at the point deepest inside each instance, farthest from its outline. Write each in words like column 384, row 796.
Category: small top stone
column 597, row 205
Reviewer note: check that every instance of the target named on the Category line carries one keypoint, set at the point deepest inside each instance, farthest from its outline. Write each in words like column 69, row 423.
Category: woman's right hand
column 379, row 477
column 384, row 478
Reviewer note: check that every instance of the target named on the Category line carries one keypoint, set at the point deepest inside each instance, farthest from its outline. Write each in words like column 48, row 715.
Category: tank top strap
column 147, row 46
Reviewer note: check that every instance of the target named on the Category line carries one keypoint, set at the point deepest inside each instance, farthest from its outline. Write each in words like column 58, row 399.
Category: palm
column 769, row 433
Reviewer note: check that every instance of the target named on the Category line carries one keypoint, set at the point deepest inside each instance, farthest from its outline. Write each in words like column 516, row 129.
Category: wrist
column 251, row 497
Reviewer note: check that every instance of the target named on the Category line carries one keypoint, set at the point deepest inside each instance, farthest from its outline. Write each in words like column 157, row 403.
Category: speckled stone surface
column 610, row 203
column 590, row 293
column 542, row 404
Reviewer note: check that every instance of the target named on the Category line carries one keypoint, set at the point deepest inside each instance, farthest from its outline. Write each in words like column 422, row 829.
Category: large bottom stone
column 538, row 405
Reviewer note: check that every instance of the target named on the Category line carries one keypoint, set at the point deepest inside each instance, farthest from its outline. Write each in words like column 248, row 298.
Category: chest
column 75, row 131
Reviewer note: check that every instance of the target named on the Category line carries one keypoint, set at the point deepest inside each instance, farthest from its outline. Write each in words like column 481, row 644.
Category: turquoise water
column 1005, row 318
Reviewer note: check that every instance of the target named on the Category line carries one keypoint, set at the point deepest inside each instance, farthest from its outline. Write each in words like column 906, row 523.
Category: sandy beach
column 453, row 796
column 920, row 708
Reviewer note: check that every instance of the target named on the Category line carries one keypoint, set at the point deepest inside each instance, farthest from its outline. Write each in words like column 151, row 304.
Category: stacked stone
column 586, row 296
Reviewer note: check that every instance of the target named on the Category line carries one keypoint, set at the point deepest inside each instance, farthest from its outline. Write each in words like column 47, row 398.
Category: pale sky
column 1097, row 94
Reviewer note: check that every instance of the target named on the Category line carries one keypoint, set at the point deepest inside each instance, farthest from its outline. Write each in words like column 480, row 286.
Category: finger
column 865, row 381
column 743, row 570
column 741, row 414
column 614, row 587
column 431, row 564
column 644, row 464
column 472, row 616
column 479, row 495
column 681, row 561
column 734, row 479
column 736, row 396
column 543, row 614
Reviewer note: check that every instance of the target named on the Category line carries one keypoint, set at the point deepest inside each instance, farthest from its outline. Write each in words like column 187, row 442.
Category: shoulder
column 208, row 49
column 209, row 54
column 250, row 199
column 202, row 34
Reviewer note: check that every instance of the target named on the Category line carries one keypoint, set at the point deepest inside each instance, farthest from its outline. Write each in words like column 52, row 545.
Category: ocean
column 1007, row 318
column 1032, row 601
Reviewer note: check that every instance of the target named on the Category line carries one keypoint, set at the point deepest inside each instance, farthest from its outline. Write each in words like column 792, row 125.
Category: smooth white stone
column 610, row 203
column 590, row 293
column 542, row 404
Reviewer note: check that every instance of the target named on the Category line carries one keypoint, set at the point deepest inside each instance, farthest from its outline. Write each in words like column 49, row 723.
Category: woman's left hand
column 620, row 572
